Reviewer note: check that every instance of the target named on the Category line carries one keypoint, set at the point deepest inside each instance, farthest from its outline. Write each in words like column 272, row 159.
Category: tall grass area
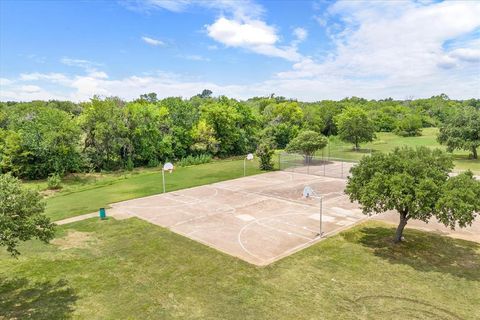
column 387, row 141
column 131, row 269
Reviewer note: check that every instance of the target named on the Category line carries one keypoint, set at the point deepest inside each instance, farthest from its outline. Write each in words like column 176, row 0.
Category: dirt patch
column 48, row 193
column 75, row 240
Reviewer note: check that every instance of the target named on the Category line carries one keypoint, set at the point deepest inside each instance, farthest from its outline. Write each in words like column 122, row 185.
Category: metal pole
column 321, row 214
column 244, row 167
column 163, row 179
column 341, row 176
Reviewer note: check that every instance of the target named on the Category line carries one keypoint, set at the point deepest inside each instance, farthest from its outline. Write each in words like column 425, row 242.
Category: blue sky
column 309, row 50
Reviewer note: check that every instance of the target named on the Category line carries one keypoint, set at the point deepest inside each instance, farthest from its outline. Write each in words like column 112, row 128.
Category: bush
column 194, row 160
column 265, row 152
column 409, row 126
column 54, row 181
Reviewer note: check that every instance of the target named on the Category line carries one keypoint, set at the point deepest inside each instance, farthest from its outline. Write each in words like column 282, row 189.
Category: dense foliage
column 21, row 215
column 416, row 183
column 462, row 131
column 41, row 138
column 307, row 143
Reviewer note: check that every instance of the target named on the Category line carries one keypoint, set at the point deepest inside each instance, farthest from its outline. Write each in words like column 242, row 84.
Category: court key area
column 259, row 219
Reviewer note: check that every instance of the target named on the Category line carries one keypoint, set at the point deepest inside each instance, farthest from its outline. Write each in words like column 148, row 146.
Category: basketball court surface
column 259, row 219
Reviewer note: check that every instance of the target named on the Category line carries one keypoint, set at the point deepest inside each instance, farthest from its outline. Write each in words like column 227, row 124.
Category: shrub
column 265, row 152
column 194, row 160
column 54, row 181
column 409, row 126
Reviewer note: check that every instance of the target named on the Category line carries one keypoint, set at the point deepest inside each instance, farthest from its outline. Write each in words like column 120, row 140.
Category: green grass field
column 387, row 141
column 131, row 269
column 90, row 192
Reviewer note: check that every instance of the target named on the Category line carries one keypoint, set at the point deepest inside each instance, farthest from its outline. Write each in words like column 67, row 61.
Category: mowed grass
column 131, row 269
column 88, row 194
column 387, row 141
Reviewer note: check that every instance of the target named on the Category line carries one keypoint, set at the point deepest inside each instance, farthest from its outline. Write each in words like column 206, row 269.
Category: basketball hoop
column 249, row 157
column 309, row 193
column 166, row 167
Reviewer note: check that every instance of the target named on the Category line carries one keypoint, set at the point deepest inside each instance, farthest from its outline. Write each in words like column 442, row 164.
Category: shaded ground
column 138, row 270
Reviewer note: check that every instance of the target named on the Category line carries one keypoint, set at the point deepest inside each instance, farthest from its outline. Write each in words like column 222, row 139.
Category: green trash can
column 102, row 213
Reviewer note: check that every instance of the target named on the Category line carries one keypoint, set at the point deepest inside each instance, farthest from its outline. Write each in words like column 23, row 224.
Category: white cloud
column 381, row 50
column 242, row 34
column 152, row 41
column 397, row 49
column 253, row 35
column 300, row 33
column 196, row 57
column 81, row 63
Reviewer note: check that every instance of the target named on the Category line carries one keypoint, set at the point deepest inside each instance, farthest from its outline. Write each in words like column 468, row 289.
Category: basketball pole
column 321, row 215
column 163, row 179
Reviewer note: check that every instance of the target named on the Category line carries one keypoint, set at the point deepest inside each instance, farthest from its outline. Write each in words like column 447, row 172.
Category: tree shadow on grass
column 21, row 299
column 423, row 251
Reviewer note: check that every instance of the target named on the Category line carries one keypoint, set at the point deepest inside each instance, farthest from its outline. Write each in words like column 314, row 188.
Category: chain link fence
column 316, row 165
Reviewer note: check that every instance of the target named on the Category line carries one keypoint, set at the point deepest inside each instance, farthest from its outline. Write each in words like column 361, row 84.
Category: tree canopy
column 41, row 138
column 416, row 184
column 355, row 126
column 461, row 130
column 307, row 143
column 21, row 217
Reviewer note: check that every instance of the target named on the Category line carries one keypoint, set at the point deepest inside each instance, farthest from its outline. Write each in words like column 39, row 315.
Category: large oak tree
column 462, row 131
column 417, row 184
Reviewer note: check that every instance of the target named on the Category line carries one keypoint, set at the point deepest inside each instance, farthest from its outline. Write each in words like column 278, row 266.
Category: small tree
column 409, row 126
column 265, row 152
column 307, row 143
column 355, row 126
column 415, row 183
column 21, row 215
column 462, row 131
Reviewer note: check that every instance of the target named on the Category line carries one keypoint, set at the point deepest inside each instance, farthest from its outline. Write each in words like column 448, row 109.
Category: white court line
column 172, row 206
column 294, row 225
column 284, row 231
column 239, row 236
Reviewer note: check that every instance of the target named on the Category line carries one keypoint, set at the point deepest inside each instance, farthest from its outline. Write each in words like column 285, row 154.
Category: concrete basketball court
column 259, row 219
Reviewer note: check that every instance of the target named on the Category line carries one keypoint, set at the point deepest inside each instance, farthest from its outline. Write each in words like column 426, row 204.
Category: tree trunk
column 474, row 152
column 401, row 226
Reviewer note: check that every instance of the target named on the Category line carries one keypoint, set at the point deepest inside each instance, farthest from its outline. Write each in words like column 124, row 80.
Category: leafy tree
column 204, row 138
column 265, row 152
column 103, row 122
column 415, row 183
column 145, row 122
column 149, row 97
column 462, row 131
column 40, row 141
column 354, row 126
column 21, row 217
column 283, row 121
column 409, row 126
column 307, row 143
column 206, row 94
column 182, row 117
column 234, row 125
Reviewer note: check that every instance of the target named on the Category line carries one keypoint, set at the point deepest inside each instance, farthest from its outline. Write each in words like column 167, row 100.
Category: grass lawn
column 131, row 269
column 387, row 141
column 89, row 193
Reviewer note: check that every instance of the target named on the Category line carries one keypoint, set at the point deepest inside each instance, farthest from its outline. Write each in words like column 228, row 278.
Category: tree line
column 41, row 138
